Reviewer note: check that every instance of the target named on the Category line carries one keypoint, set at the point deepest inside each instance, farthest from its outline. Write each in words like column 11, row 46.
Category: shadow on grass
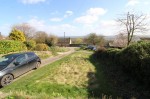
column 110, row 83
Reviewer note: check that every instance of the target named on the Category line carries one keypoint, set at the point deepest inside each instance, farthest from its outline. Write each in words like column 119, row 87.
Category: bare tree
column 132, row 24
column 40, row 37
column 28, row 30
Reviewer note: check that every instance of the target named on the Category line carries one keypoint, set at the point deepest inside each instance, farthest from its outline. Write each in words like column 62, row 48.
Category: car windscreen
column 6, row 59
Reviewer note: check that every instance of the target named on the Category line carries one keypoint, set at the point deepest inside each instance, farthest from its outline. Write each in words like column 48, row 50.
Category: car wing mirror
column 16, row 63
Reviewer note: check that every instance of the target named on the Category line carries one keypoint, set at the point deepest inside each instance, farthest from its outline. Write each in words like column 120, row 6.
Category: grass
column 73, row 77
column 44, row 54
column 57, row 49
column 64, row 78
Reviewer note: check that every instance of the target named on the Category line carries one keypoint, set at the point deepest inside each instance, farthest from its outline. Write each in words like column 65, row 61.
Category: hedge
column 7, row 46
column 133, row 60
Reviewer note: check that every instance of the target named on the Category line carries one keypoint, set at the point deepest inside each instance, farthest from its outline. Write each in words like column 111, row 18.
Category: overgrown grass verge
column 55, row 50
column 44, row 54
column 67, row 78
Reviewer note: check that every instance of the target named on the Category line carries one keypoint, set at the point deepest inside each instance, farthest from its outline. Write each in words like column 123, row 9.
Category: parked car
column 14, row 65
column 91, row 47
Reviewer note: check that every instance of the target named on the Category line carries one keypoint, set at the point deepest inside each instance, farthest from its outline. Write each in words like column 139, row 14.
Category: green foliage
column 17, row 35
column 94, row 39
column 7, row 46
column 55, row 49
column 83, row 47
column 133, row 60
column 41, row 47
column 78, row 41
column 44, row 54
column 30, row 44
column 51, row 40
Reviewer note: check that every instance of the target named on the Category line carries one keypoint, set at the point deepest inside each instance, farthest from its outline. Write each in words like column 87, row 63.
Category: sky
column 74, row 17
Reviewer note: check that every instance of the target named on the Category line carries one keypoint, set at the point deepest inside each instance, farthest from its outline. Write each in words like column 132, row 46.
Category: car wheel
column 37, row 65
column 6, row 79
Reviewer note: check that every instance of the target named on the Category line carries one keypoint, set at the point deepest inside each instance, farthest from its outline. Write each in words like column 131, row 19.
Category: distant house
column 120, row 42
column 145, row 38
column 64, row 42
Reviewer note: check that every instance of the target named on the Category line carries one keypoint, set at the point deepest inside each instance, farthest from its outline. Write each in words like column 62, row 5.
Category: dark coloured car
column 14, row 65
column 91, row 47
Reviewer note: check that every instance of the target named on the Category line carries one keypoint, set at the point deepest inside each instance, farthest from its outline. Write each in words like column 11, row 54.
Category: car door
column 20, row 65
column 32, row 60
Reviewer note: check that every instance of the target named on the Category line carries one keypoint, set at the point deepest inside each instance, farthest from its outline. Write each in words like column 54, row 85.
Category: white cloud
column 133, row 2
column 92, row 15
column 32, row 1
column 88, row 19
column 108, row 23
column 56, row 19
column 68, row 13
column 60, row 29
column 38, row 24
column 96, row 11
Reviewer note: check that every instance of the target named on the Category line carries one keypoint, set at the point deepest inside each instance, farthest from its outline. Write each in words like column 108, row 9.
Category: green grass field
column 73, row 77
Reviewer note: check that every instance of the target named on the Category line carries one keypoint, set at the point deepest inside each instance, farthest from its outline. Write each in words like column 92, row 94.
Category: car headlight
column 1, row 73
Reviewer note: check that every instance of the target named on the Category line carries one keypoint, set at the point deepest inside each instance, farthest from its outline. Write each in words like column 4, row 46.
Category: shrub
column 30, row 44
column 51, row 40
column 133, row 60
column 17, row 35
column 83, row 47
column 7, row 46
column 41, row 47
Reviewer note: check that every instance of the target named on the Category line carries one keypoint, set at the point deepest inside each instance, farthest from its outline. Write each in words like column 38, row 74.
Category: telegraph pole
column 64, row 39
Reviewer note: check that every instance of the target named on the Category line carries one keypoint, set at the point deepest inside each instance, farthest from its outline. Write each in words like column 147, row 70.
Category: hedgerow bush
column 30, row 44
column 7, row 46
column 41, row 47
column 133, row 60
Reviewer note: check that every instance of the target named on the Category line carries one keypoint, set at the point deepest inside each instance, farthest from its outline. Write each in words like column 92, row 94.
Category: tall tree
column 17, row 35
column 132, row 23
column 51, row 40
column 78, row 41
column 94, row 39
column 28, row 30
column 40, row 37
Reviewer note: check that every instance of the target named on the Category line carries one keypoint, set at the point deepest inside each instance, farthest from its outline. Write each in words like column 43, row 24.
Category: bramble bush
column 133, row 60
column 41, row 47
column 7, row 46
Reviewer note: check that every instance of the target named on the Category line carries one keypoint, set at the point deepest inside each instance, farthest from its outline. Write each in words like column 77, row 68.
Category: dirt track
column 53, row 59
column 50, row 60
